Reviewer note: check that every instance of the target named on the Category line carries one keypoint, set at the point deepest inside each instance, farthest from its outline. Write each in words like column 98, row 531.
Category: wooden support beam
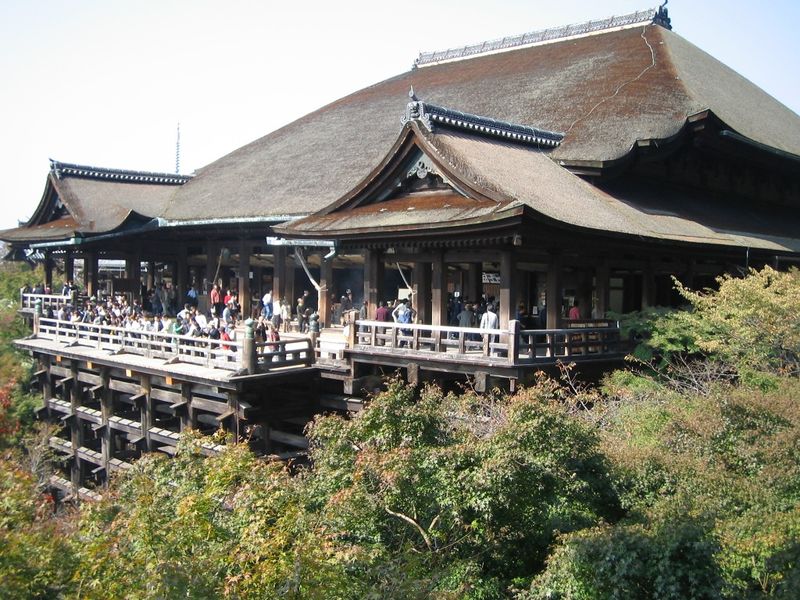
column 602, row 278
column 438, row 290
column 326, row 286
column 244, row 277
column 554, row 299
column 508, row 289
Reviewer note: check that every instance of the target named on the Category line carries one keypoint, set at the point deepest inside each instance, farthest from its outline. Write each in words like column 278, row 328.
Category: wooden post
column 513, row 341
column 48, row 269
column 90, row 273
column 601, row 283
column 439, row 290
column 554, row 300
column 151, row 275
column 244, row 277
column 474, row 288
column 106, row 412
column 249, row 361
column 373, row 279
column 508, row 289
column 279, row 275
column 648, row 285
column 76, row 432
column 146, row 410
column 181, row 276
column 69, row 266
column 325, row 283
column 421, row 277
column 189, row 419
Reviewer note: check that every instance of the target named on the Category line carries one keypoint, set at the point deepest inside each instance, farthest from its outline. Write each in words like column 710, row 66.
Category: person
column 191, row 296
column 301, row 315
column 313, row 328
column 575, row 311
column 229, row 315
column 403, row 313
column 489, row 320
column 215, row 297
column 466, row 317
column 266, row 301
column 382, row 314
column 286, row 315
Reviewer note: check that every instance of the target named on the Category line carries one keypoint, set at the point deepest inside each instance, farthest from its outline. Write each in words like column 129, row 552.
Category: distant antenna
column 178, row 152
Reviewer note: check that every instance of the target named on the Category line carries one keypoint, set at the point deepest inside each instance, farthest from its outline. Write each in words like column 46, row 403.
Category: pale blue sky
column 105, row 82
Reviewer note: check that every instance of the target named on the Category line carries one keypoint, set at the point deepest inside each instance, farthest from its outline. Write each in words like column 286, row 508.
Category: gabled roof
column 491, row 183
column 605, row 91
column 81, row 200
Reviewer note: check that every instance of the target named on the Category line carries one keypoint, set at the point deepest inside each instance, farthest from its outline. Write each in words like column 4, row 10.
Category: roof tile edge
column 431, row 114
column 658, row 16
column 121, row 175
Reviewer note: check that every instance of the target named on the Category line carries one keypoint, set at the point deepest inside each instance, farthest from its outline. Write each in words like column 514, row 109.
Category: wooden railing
column 54, row 301
column 221, row 354
column 512, row 345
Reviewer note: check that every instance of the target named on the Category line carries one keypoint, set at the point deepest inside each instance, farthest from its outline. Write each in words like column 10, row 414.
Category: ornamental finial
column 412, row 95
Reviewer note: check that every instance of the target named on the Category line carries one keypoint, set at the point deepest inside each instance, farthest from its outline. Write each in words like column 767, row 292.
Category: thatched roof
column 604, row 91
column 505, row 180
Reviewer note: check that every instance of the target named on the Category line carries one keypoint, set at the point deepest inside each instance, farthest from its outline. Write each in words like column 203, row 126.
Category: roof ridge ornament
column 657, row 16
column 430, row 114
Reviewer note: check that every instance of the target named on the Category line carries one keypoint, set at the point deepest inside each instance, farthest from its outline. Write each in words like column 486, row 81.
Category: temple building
column 573, row 168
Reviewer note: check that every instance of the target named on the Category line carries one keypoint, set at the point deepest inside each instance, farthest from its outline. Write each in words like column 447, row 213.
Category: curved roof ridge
column 657, row 16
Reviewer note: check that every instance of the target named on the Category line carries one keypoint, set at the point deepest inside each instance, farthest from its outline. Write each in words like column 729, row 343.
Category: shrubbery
column 681, row 480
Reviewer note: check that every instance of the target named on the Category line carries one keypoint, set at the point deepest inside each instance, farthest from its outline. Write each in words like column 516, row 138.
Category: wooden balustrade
column 211, row 353
column 517, row 347
column 54, row 301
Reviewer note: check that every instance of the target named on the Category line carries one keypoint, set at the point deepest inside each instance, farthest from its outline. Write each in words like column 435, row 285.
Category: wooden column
column 244, row 277
column 181, row 275
column 48, row 269
column 106, row 412
column 438, row 290
column 136, row 273
column 554, row 300
column 76, row 432
column 601, row 288
column 648, row 285
column 279, row 274
column 151, row 275
column 474, row 288
column 325, row 283
column 69, row 266
column 291, row 292
column 508, row 289
column 421, row 277
column 146, row 410
column 373, row 279
column 90, row 273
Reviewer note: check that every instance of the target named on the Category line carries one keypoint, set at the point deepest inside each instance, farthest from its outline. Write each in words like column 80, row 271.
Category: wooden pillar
column 601, row 288
column 189, row 417
column 554, row 299
column 325, row 284
column 151, row 275
column 373, row 279
column 421, row 277
column 438, row 290
column 48, row 269
column 244, row 277
column 106, row 412
column 213, row 266
column 508, row 289
column 474, row 288
column 69, row 266
column 291, row 292
column 279, row 274
column 146, row 410
column 688, row 276
column 648, row 285
column 181, row 275
column 76, row 431
column 90, row 273
column 136, row 272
